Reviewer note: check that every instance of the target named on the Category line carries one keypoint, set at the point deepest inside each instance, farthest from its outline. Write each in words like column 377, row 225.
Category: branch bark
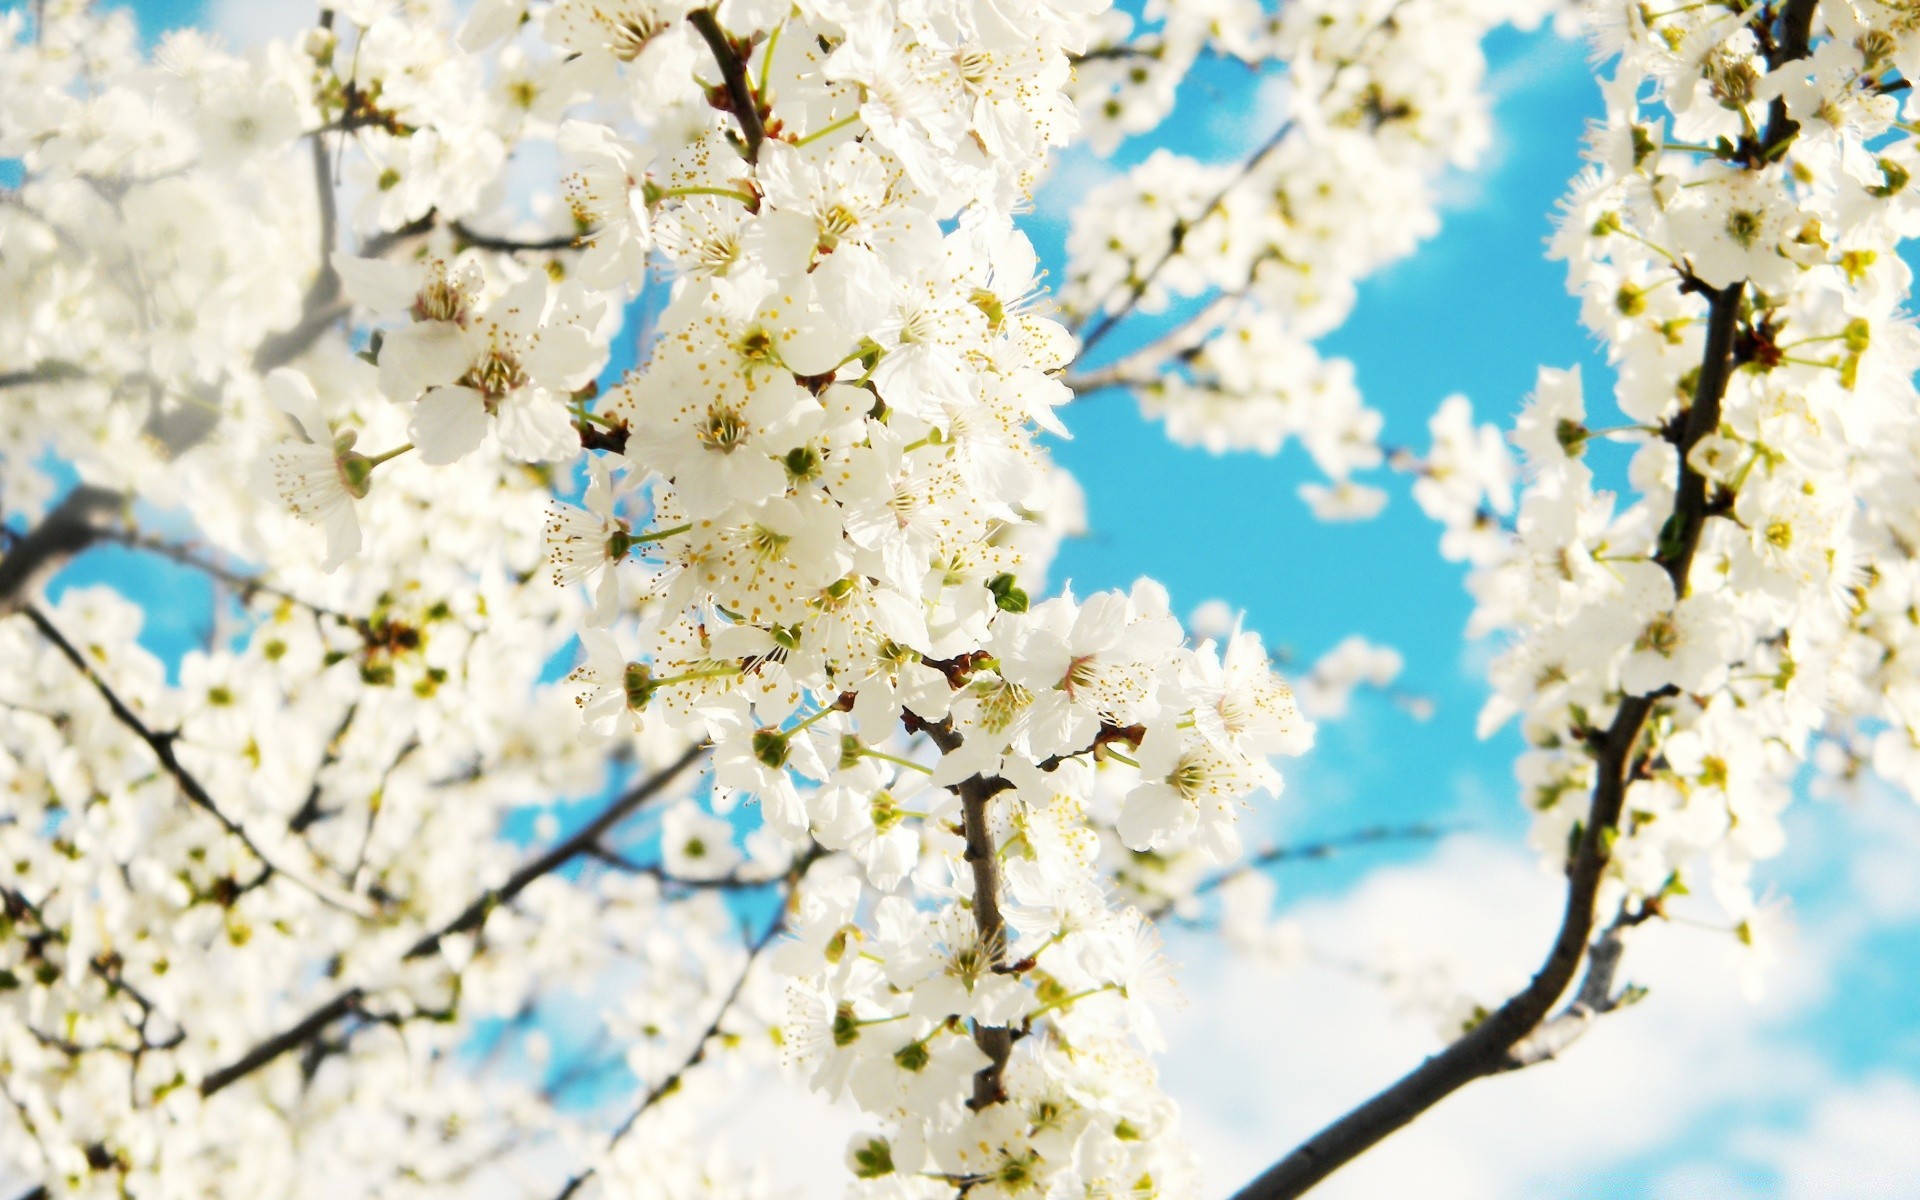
column 1489, row 1048
column 671, row 1084
column 68, row 528
column 742, row 102
column 468, row 919
column 996, row 1042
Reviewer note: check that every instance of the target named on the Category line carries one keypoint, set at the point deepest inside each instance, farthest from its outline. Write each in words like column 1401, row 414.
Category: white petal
column 386, row 288
column 293, row 394
column 420, row 356
column 447, row 424
column 343, row 536
column 536, row 429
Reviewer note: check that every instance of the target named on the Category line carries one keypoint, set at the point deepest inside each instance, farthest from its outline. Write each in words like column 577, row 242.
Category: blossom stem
column 824, row 130
column 686, row 676
column 660, row 535
column 766, row 59
column 374, row 460
column 1070, row 1001
column 730, row 193
column 810, row 721
column 897, row 761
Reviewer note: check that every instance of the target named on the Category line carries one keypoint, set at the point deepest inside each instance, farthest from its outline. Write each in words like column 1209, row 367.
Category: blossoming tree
column 325, row 322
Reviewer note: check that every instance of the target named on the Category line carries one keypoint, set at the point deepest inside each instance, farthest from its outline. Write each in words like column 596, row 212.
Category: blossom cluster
column 1247, row 263
column 1743, row 608
column 259, row 908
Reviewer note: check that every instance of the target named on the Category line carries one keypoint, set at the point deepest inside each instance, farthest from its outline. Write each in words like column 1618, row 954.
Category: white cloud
column 1860, row 1143
column 1263, row 1058
column 1885, row 829
column 253, row 22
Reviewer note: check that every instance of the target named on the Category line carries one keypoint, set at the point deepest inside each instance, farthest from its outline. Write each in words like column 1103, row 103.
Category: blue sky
column 1476, row 311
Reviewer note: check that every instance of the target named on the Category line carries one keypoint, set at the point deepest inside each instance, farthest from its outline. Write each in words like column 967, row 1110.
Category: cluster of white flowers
column 256, row 916
column 258, row 920
column 1736, row 243
column 1259, row 258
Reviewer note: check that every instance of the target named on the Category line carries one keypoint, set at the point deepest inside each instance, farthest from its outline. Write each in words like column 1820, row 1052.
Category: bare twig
column 671, row 1084
column 68, row 528
column 744, row 105
column 469, row 918
column 1490, row 1047
column 1135, row 289
column 467, row 235
column 1311, row 852
column 246, row 587
column 161, row 744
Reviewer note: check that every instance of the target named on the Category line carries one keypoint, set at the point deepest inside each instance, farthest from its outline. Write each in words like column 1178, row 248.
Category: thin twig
column 733, row 69
column 467, row 235
column 161, row 744
column 666, row 1087
column 469, row 918
column 243, row 585
column 1311, row 851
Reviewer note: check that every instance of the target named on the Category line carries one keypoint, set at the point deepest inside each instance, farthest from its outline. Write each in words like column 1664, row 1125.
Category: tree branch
column 1136, row 289
column 469, row 918
column 1595, row 999
column 996, row 1042
column 68, row 528
column 1489, row 1047
column 161, row 744
column 744, row 105
column 1309, row 852
column 565, row 852
column 506, row 245
column 1496, row 1044
column 246, row 587
column 671, row 1084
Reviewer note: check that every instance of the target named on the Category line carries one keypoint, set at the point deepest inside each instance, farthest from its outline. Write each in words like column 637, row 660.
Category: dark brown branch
column 70, row 527
column 1488, row 1048
column 246, row 587
column 671, row 1084
column 976, row 794
column 472, row 917
column 42, row 372
column 732, row 58
column 1796, row 30
column 1595, row 999
column 469, row 236
column 565, row 852
column 1136, row 289
column 161, row 744
column 996, row 1042
column 294, row 1036
column 1309, row 852
column 733, row 882
column 1120, row 51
